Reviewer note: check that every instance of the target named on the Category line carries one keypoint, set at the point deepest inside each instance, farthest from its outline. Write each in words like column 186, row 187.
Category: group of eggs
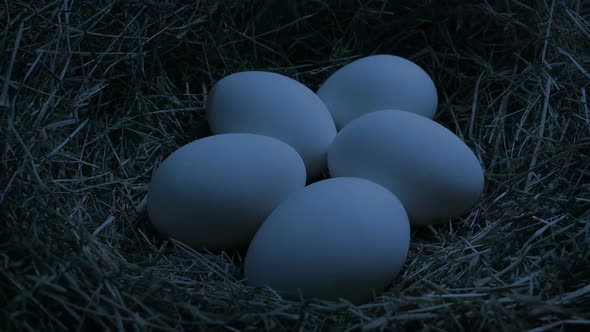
column 391, row 166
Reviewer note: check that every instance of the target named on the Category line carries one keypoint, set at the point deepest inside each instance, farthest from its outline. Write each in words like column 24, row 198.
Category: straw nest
column 94, row 94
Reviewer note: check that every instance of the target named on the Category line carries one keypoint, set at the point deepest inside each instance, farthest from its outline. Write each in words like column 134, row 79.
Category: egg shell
column 216, row 191
column 275, row 105
column 336, row 238
column 432, row 171
column 375, row 83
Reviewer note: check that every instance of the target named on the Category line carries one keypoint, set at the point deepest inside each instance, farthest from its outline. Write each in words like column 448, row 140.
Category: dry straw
column 95, row 93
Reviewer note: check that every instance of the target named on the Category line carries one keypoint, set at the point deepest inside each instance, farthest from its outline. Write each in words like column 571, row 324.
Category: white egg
column 216, row 191
column 336, row 238
column 375, row 83
column 271, row 104
column 433, row 173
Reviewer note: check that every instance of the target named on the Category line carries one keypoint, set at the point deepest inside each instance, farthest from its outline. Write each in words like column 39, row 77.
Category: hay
column 95, row 93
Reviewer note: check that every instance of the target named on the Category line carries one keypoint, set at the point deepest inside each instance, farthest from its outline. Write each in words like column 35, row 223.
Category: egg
column 375, row 83
column 336, row 238
column 272, row 104
column 432, row 171
column 215, row 192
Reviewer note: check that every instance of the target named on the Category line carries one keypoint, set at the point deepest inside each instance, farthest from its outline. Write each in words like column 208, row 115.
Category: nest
column 94, row 94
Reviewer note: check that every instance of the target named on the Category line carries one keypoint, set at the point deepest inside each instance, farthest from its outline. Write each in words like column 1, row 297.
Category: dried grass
column 95, row 93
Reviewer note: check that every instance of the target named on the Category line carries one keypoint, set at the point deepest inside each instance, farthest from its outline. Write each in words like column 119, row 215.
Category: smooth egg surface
column 432, row 171
column 336, row 238
column 271, row 104
column 375, row 83
column 215, row 192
